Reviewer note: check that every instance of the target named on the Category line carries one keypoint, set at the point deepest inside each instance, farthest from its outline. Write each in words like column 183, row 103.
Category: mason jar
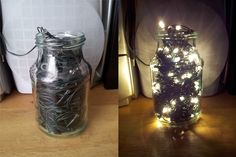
column 60, row 80
column 176, row 72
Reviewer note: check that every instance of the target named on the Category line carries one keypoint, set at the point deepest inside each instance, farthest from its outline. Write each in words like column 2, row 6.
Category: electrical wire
column 131, row 50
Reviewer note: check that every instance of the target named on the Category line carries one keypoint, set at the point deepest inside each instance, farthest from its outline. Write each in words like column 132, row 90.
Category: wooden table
column 20, row 136
column 213, row 136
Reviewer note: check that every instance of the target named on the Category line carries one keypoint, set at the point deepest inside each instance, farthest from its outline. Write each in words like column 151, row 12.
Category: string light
column 181, row 98
column 177, row 84
column 161, row 24
column 177, row 27
column 176, row 50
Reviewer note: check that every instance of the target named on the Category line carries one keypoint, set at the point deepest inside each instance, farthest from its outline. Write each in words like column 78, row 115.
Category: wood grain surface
column 20, row 136
column 213, row 136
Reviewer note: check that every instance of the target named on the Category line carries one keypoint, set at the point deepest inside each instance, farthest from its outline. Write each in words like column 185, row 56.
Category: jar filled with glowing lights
column 176, row 72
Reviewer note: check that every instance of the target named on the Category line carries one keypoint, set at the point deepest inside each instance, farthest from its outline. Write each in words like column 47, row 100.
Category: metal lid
column 176, row 32
column 65, row 40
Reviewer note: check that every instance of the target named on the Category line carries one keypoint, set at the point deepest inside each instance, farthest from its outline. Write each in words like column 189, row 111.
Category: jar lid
column 176, row 32
column 65, row 40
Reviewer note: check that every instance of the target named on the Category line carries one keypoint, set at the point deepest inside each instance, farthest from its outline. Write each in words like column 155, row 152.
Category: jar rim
column 65, row 40
column 164, row 35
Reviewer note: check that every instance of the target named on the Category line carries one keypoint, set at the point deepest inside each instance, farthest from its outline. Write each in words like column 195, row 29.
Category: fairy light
column 173, row 102
column 177, row 84
column 176, row 50
column 176, row 59
column 186, row 75
column 194, row 100
column 181, row 98
column 166, row 49
column 168, row 56
column 158, row 123
column 178, row 27
column 196, row 85
column 176, row 81
column 185, row 52
column 170, row 74
column 166, row 110
column 161, row 24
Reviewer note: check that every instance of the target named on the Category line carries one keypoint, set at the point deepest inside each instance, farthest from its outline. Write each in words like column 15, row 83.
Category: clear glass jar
column 176, row 72
column 60, row 80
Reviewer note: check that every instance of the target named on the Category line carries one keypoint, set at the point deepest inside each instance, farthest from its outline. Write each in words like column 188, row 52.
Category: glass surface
column 176, row 72
column 60, row 80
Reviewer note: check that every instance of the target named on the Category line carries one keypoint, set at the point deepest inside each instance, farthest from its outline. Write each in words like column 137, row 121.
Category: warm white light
column 194, row 100
column 159, row 124
column 185, row 52
column 177, row 27
column 166, row 110
column 176, row 80
column 162, row 24
column 196, row 85
column 176, row 59
column 170, row 74
column 176, row 50
column 160, row 49
column 166, row 49
column 156, row 87
column 193, row 57
column 187, row 75
column 181, row 98
column 173, row 102
column 198, row 68
column 168, row 56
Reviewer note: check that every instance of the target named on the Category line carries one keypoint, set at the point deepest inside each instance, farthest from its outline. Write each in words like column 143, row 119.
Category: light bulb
column 161, row 24
column 177, row 27
column 176, row 50
column 181, row 98
column 173, row 102
column 166, row 49
column 170, row 74
column 186, row 75
column 160, row 49
column 176, row 59
column 193, row 57
column 194, row 100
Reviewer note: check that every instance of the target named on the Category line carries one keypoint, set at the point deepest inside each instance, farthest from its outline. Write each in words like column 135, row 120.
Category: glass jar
column 176, row 72
column 60, row 80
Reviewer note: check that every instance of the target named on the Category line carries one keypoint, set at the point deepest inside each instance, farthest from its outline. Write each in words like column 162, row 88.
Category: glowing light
column 156, row 87
column 187, row 75
column 185, row 52
column 198, row 68
column 193, row 57
column 194, row 100
column 177, row 27
column 168, row 56
column 176, row 80
column 158, row 124
column 166, row 110
column 166, row 49
column 160, row 49
column 170, row 74
column 173, row 102
column 176, row 50
column 161, row 24
column 176, row 59
column 196, row 85
column 181, row 98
